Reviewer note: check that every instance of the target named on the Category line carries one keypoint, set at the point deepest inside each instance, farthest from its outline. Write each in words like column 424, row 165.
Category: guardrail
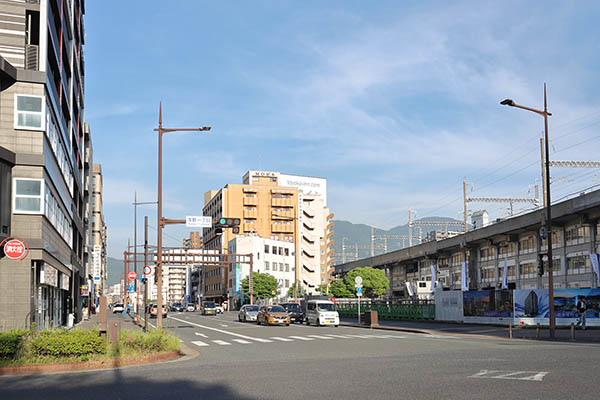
column 393, row 310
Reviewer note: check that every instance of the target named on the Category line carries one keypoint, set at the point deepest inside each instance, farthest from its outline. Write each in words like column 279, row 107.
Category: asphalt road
column 245, row 361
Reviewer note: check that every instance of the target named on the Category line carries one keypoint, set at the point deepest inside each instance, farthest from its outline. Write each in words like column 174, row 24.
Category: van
column 321, row 312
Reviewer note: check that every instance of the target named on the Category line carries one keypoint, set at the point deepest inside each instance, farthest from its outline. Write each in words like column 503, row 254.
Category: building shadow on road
column 88, row 386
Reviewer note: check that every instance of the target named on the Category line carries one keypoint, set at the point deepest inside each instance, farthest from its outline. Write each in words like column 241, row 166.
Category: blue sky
column 395, row 103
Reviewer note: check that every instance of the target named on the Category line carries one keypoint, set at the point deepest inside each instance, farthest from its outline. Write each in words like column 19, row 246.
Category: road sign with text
column 198, row 221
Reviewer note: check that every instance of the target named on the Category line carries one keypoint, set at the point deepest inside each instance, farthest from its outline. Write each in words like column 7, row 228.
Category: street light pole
column 161, row 220
column 545, row 114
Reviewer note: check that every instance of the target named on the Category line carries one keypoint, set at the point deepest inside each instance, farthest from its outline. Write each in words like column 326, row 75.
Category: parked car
column 248, row 312
column 190, row 307
column 118, row 308
column 177, row 307
column 321, row 312
column 154, row 310
column 273, row 315
column 219, row 309
column 209, row 308
column 295, row 311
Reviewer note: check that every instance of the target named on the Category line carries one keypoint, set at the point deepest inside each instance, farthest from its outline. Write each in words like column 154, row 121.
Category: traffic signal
column 233, row 223
column 541, row 264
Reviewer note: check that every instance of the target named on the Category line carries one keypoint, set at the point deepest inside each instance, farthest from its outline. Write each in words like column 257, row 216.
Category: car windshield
column 326, row 306
column 176, row 304
column 275, row 309
column 118, row 305
column 293, row 307
column 252, row 308
column 209, row 304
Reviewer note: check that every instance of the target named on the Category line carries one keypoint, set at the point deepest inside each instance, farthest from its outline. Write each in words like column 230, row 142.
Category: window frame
column 41, row 113
column 41, row 196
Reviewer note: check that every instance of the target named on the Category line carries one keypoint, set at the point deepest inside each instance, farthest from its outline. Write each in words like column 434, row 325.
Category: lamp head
column 507, row 102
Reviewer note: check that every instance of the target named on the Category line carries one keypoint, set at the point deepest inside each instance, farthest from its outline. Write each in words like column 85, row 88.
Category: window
column 287, row 267
column 28, row 112
column 274, row 250
column 281, row 267
column 266, row 248
column 28, row 196
column 287, row 283
column 266, row 265
column 287, row 252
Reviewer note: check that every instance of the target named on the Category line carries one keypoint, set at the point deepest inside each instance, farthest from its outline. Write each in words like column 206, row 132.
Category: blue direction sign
column 359, row 290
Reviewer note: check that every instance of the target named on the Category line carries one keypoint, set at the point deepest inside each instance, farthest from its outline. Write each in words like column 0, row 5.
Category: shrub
column 61, row 343
column 11, row 343
column 153, row 341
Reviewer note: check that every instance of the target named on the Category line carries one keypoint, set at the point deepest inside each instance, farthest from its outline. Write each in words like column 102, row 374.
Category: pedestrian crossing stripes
column 296, row 338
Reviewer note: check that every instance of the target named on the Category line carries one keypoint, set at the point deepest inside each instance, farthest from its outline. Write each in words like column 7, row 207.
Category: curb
column 386, row 328
column 81, row 366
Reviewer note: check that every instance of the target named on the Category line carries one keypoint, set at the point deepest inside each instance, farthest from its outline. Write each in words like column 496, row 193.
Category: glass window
column 281, row 267
column 287, row 251
column 28, row 111
column 267, row 248
column 274, row 250
column 28, row 196
column 266, row 265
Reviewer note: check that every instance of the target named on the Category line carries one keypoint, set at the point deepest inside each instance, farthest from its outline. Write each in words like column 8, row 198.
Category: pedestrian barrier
column 392, row 310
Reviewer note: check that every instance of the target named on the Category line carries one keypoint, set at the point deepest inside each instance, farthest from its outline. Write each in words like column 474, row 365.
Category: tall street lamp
column 162, row 221
column 545, row 114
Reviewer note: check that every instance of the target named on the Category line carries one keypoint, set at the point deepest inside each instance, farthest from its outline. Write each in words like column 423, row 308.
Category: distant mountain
column 359, row 235
column 114, row 270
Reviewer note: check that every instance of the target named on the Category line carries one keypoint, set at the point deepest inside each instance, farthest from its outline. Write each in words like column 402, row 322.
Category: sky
column 395, row 103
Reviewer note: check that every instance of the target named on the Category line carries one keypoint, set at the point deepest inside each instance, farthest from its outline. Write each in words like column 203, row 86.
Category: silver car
column 248, row 313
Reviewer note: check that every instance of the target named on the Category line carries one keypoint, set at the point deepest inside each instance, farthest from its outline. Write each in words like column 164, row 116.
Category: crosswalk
column 307, row 338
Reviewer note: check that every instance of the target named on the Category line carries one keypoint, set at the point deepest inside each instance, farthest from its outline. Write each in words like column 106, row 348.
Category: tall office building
column 98, row 266
column 42, row 124
column 275, row 206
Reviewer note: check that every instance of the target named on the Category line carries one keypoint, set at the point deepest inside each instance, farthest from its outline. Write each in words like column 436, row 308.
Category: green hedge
column 75, row 342
column 153, row 341
column 11, row 343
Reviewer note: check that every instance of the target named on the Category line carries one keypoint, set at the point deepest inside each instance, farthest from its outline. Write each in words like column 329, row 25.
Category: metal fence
column 412, row 309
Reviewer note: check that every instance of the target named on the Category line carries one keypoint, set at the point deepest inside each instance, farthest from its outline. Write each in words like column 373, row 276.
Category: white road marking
column 537, row 376
column 281, row 339
column 340, row 336
column 200, row 334
column 319, row 337
column 225, row 332
column 241, row 341
column 361, row 336
column 199, row 343
column 224, row 326
column 221, row 343
column 301, row 338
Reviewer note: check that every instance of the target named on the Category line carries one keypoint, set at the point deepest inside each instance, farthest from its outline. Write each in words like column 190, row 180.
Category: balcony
column 250, row 201
column 31, row 57
column 282, row 228
column 250, row 214
column 282, row 202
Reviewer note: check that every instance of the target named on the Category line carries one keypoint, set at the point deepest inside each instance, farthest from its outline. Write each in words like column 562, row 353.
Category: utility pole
column 543, row 161
column 251, row 280
column 124, row 292
column 409, row 227
column 146, row 279
column 372, row 243
column 466, row 217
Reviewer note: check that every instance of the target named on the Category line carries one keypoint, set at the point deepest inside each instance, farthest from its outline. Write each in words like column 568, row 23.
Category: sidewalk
column 127, row 321
column 590, row 335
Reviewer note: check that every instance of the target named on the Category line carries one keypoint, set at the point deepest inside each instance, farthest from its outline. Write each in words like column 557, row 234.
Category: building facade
column 516, row 241
column 273, row 257
column 99, row 232
column 272, row 205
column 42, row 123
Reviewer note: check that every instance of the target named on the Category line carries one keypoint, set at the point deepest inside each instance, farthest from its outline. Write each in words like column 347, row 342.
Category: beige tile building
column 275, row 206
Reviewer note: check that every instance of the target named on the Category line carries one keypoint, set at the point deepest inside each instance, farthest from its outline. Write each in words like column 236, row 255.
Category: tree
column 291, row 291
column 338, row 289
column 265, row 285
column 374, row 283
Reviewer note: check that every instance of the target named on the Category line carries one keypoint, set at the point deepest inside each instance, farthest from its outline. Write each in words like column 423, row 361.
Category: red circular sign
column 147, row 270
column 131, row 275
column 15, row 248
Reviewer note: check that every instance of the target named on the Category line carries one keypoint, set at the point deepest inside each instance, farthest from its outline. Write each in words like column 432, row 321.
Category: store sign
column 49, row 275
column 64, row 282
column 15, row 248
column 307, row 185
column 85, row 290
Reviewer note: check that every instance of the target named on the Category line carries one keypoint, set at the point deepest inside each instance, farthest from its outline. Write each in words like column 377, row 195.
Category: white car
column 118, row 308
column 321, row 312
column 190, row 307
column 219, row 309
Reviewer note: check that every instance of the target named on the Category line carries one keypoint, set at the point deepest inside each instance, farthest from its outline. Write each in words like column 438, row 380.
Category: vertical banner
column 505, row 275
column 433, row 277
column 238, row 283
column 595, row 259
column 464, row 278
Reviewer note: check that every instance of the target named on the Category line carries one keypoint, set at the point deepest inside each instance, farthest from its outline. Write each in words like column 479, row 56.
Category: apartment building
column 99, row 254
column 42, row 124
column 273, row 257
column 516, row 241
column 272, row 205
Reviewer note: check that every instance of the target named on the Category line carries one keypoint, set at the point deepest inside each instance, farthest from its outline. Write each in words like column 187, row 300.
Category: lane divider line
column 320, row 337
column 241, row 341
column 221, row 342
column 281, row 339
column 200, row 334
column 199, row 343
column 223, row 331
column 301, row 338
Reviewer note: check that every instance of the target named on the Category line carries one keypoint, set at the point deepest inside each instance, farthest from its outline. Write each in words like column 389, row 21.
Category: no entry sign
column 147, row 270
column 15, row 248
column 131, row 275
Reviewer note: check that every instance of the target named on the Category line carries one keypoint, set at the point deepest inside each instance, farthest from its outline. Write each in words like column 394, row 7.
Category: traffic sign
column 147, row 270
column 131, row 275
column 359, row 290
column 358, row 280
column 198, row 221
column 15, row 248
